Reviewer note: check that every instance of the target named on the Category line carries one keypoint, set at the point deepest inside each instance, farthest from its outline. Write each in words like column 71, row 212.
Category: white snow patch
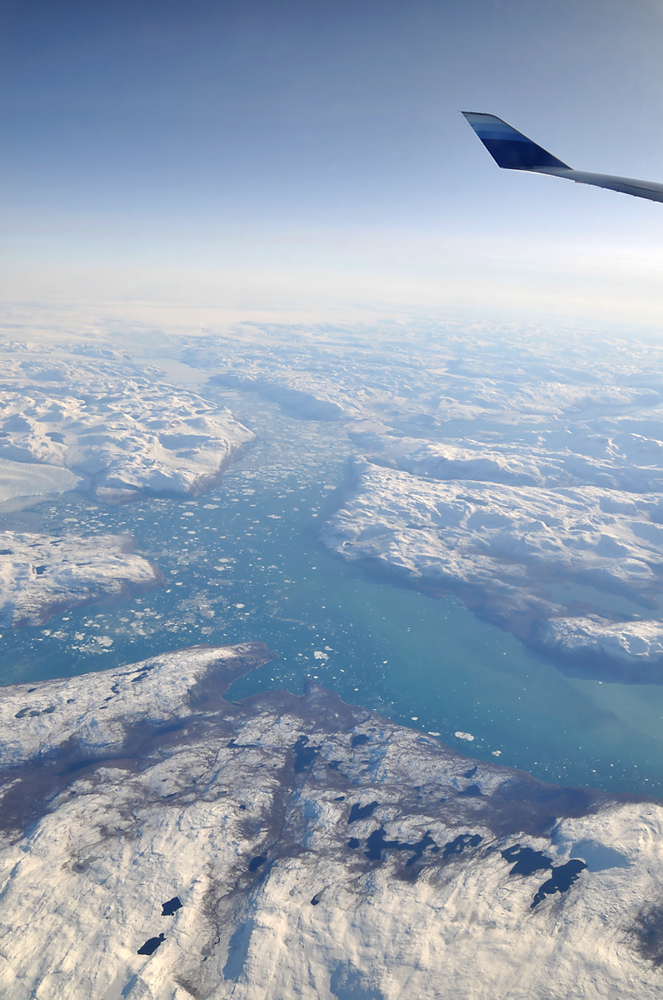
column 42, row 573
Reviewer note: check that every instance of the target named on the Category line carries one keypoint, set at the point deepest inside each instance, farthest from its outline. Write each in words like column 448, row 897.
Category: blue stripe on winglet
column 509, row 148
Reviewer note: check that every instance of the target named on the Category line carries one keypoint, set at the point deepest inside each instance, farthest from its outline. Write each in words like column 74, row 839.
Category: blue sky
column 310, row 157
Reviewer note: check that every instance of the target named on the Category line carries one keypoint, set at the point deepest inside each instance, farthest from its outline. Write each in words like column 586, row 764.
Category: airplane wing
column 514, row 151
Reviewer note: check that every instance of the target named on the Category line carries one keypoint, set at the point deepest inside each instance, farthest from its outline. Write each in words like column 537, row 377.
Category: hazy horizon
column 311, row 160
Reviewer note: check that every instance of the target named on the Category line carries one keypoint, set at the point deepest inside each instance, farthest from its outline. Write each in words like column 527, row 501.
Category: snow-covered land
column 160, row 842
column 407, row 378
column 639, row 641
column 21, row 479
column 119, row 427
column 43, row 574
column 520, row 471
column 621, row 461
column 510, row 549
column 64, row 716
column 464, row 530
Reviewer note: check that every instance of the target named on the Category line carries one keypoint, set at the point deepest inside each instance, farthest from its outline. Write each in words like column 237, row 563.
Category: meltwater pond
column 244, row 563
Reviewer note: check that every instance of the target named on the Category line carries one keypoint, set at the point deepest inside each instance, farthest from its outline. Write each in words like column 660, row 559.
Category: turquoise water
column 244, row 562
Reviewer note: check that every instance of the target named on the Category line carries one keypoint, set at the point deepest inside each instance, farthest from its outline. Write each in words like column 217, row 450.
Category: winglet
column 509, row 148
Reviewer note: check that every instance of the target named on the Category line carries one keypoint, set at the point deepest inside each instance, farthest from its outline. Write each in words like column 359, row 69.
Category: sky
column 308, row 159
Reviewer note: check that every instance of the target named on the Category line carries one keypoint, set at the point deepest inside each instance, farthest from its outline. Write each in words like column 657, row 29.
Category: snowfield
column 21, row 479
column 118, row 427
column 508, row 549
column 629, row 641
column 160, row 842
column 470, row 531
column 43, row 574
